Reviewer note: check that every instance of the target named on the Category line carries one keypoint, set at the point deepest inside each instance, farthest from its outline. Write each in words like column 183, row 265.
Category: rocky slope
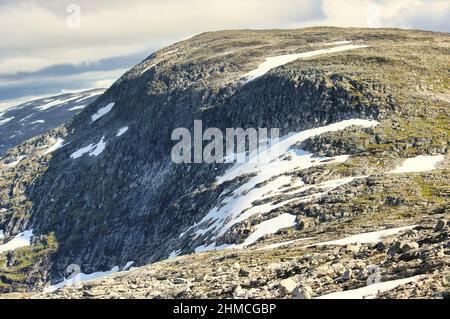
column 108, row 194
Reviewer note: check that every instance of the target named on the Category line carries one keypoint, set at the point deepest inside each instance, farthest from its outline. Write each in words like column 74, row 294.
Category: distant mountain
column 24, row 121
column 354, row 192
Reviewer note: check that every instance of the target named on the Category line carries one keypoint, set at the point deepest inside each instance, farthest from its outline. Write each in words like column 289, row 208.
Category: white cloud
column 126, row 27
column 384, row 13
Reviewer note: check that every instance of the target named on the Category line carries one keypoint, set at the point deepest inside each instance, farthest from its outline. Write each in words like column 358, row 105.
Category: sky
column 52, row 46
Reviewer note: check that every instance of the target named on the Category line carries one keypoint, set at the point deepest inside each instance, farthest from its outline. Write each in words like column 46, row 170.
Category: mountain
column 362, row 158
column 24, row 121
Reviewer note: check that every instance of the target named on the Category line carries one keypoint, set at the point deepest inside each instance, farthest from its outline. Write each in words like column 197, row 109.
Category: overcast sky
column 47, row 47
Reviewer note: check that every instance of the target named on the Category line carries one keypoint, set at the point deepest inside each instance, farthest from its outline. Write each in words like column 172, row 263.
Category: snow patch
column 16, row 162
column 89, row 96
column 92, row 149
column 102, row 112
column 149, row 67
column 285, row 243
column 4, row 121
column 276, row 61
column 122, row 131
column 81, row 277
column 365, row 238
column 56, row 102
column 371, row 291
column 128, row 265
column 26, row 118
column 78, row 107
column 38, row 122
column 421, row 163
column 267, row 227
column 58, row 144
column 174, row 254
column 21, row 240
column 339, row 42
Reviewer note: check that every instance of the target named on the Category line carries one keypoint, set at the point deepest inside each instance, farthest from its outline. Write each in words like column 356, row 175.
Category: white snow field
column 21, row 240
column 276, row 61
column 371, row 291
column 102, row 112
column 271, row 167
column 92, row 149
column 421, row 163
column 365, row 238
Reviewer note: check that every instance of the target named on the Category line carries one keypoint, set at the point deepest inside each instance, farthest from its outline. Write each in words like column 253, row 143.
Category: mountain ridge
column 130, row 203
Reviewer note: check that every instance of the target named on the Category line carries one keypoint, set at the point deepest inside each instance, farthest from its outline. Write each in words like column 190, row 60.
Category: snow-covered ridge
column 271, row 167
column 21, row 240
column 276, row 61
column 421, row 163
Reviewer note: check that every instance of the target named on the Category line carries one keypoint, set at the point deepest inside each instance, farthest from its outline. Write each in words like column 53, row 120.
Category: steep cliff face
column 110, row 193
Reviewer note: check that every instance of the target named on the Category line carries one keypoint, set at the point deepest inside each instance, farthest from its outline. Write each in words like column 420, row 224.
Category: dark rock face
column 33, row 118
column 131, row 202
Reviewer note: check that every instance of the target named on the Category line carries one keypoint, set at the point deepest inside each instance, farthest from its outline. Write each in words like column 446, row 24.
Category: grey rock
column 347, row 275
column 302, row 292
column 287, row 286
column 441, row 224
column 180, row 281
column 409, row 246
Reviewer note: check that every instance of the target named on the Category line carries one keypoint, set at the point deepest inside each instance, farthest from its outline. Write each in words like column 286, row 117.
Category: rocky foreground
column 419, row 254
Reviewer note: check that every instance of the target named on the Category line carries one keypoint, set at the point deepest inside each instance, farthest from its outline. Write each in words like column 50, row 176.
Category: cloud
column 109, row 28
column 420, row 14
